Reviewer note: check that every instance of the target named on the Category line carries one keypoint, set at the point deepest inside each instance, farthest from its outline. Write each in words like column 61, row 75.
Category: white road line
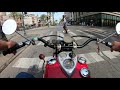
column 91, row 57
column 59, row 33
column 111, row 55
column 28, row 62
column 104, row 34
column 85, row 33
column 97, row 57
column 46, row 38
column 73, row 34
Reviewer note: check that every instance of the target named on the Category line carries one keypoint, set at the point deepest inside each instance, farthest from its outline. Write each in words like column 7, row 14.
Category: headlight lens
column 85, row 72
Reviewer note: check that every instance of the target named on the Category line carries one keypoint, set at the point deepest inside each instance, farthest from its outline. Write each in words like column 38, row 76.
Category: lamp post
column 23, row 23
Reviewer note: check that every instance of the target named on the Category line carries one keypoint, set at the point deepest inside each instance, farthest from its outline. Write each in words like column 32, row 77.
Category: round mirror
column 118, row 28
column 9, row 26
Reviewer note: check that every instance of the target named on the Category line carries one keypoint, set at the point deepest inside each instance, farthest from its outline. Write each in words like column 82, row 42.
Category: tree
column 17, row 16
column 53, row 17
column 43, row 17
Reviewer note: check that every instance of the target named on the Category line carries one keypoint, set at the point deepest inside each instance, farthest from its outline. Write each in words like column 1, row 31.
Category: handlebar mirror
column 118, row 28
column 9, row 26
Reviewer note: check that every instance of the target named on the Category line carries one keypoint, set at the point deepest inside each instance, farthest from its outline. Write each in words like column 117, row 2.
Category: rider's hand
column 115, row 46
column 11, row 44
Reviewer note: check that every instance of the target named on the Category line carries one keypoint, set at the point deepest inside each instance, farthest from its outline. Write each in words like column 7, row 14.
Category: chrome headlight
column 82, row 60
column 84, row 72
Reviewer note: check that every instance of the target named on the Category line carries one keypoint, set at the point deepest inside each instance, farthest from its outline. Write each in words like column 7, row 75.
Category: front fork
column 43, row 68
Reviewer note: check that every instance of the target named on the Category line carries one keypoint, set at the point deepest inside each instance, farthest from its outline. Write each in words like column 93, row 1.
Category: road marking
column 46, row 38
column 59, row 33
column 28, row 62
column 85, row 33
column 73, row 34
column 97, row 57
column 111, row 55
column 104, row 34
column 91, row 57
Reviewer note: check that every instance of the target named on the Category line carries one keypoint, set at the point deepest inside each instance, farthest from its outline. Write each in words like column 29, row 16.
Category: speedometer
column 68, row 64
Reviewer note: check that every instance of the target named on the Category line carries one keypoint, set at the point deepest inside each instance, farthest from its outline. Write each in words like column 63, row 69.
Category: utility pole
column 23, row 13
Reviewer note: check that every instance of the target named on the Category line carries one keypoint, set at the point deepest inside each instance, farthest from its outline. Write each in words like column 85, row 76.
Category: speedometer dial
column 68, row 64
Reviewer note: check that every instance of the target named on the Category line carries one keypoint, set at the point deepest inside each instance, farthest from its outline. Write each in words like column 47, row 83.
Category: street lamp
column 23, row 22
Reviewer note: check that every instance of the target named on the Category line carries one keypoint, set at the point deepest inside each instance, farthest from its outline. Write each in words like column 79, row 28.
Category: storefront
column 100, row 19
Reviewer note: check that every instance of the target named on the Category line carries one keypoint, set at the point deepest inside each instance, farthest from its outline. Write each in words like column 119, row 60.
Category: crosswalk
column 91, row 57
column 60, row 33
column 85, row 33
column 70, row 32
column 46, row 38
column 99, row 32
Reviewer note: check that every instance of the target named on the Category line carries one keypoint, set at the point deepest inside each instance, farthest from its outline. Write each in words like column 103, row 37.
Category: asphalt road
column 99, row 65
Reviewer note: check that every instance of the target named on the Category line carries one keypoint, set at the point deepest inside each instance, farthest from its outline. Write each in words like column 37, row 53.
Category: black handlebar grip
column 17, row 46
column 109, row 44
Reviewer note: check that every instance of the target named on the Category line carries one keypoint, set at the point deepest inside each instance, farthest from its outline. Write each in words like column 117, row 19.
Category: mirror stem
column 23, row 36
column 107, row 37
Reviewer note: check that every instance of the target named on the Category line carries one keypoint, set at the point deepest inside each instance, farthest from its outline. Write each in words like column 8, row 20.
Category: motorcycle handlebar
column 81, row 46
column 108, row 44
column 17, row 46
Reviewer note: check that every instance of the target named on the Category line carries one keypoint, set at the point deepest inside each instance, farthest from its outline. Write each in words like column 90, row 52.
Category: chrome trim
column 82, row 60
column 69, row 72
column 51, row 61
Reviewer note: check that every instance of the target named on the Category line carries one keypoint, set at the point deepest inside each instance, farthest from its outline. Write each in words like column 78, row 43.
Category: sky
column 57, row 15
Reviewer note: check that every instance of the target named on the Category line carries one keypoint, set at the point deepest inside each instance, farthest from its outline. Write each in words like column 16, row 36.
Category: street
column 100, row 66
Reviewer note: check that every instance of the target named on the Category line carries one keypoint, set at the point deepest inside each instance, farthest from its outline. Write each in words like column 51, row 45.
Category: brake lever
column 33, row 42
column 97, row 43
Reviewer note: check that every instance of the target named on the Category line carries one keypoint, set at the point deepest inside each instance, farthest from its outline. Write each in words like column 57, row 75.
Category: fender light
column 84, row 72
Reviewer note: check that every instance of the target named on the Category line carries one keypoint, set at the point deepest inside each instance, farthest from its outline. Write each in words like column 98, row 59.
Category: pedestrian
column 65, row 24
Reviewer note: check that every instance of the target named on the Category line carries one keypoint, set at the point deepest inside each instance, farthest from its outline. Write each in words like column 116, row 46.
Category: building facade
column 31, row 19
column 96, row 18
